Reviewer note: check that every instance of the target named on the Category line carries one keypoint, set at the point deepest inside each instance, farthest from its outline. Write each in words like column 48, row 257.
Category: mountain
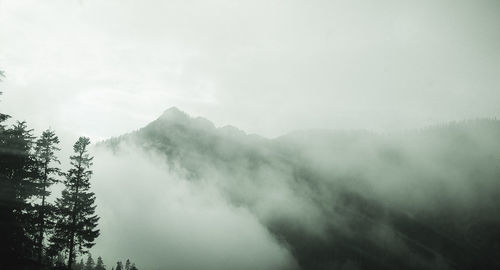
column 423, row 199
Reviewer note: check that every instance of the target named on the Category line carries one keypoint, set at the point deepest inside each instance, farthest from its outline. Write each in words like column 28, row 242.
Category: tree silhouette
column 45, row 156
column 75, row 230
column 90, row 264
column 16, row 186
column 100, row 264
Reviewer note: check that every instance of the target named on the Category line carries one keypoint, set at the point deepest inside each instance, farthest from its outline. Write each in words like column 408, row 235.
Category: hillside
column 424, row 199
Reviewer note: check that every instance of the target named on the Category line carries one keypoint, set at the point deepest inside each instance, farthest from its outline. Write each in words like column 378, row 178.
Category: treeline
column 35, row 232
column 90, row 264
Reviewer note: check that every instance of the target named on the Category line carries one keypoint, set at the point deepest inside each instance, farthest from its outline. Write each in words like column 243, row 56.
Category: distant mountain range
column 423, row 199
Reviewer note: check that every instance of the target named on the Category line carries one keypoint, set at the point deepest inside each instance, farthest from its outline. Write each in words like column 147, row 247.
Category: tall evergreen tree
column 119, row 265
column 100, row 264
column 46, row 161
column 16, row 173
column 75, row 230
column 90, row 264
column 127, row 265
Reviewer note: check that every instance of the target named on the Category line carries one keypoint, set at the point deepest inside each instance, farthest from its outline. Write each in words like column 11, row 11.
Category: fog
column 159, row 220
column 190, row 195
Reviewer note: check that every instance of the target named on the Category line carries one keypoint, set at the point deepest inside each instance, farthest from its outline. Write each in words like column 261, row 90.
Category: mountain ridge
column 419, row 191
column 174, row 115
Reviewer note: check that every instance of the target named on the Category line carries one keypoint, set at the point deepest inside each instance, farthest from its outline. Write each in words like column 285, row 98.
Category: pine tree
column 90, row 263
column 127, row 265
column 133, row 267
column 45, row 155
column 100, row 264
column 75, row 230
column 119, row 265
column 16, row 173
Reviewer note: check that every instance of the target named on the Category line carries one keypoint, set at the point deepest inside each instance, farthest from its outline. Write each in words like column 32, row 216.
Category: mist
column 184, row 224
column 301, row 198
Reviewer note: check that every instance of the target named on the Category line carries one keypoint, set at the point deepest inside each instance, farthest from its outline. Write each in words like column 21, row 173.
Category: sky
column 103, row 68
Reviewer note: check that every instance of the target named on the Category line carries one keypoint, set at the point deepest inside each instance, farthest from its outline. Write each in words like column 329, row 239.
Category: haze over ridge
column 313, row 193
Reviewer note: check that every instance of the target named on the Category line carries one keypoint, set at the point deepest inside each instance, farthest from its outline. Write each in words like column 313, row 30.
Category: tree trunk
column 71, row 247
column 73, row 222
column 42, row 218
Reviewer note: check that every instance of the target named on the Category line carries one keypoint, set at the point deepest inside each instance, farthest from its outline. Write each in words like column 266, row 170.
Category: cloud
column 160, row 220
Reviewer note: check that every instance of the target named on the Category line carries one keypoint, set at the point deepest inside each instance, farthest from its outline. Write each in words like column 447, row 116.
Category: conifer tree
column 75, row 230
column 16, row 173
column 45, row 156
column 119, row 265
column 90, row 264
column 127, row 265
column 100, row 264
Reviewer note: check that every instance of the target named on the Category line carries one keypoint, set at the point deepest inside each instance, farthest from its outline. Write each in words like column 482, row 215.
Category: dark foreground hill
column 425, row 199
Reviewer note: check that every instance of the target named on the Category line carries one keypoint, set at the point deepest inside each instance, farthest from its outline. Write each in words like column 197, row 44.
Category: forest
column 36, row 231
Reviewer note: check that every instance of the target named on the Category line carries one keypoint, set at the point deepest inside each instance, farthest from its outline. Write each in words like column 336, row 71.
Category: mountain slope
column 350, row 200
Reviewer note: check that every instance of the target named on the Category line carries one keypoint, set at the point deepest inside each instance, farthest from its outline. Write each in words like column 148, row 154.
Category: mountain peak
column 173, row 110
column 174, row 114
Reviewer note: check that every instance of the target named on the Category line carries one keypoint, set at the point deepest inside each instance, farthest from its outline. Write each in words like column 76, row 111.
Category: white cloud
column 161, row 221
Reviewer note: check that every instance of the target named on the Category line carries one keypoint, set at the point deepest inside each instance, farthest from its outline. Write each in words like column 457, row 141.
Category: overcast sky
column 103, row 68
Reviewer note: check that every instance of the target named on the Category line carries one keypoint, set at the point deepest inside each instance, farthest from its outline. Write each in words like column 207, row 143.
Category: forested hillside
column 422, row 199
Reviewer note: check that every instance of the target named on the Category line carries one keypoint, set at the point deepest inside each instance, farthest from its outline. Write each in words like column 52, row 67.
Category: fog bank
column 159, row 220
